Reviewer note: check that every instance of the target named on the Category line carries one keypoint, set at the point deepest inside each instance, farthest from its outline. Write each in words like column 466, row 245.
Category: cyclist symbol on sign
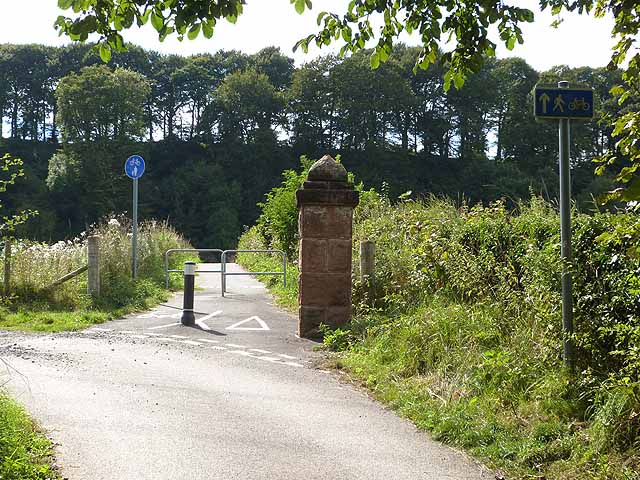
column 579, row 104
column 134, row 166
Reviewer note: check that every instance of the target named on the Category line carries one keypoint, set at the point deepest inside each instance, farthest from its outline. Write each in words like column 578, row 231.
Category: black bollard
column 188, row 317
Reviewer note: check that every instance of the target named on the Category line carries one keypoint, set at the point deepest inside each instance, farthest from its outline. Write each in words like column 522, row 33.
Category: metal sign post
column 134, row 168
column 564, row 104
column 566, row 253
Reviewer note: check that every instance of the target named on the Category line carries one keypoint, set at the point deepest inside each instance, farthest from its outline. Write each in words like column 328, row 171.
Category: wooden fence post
column 93, row 263
column 7, row 267
column 367, row 268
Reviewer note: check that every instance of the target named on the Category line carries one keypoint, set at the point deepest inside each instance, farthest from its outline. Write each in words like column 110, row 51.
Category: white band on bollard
column 189, row 268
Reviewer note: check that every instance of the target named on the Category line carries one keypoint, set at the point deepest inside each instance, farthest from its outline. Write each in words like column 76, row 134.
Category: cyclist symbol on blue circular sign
column 134, row 166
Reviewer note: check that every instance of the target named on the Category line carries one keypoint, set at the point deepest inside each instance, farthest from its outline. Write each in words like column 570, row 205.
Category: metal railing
column 224, row 273
column 223, row 264
column 198, row 250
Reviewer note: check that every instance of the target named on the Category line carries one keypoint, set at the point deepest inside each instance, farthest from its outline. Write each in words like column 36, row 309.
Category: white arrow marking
column 262, row 323
column 201, row 322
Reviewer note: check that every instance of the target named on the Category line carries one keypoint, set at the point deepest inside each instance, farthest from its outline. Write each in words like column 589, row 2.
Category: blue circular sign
column 134, row 166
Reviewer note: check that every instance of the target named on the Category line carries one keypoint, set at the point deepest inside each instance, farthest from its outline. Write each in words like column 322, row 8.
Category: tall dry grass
column 35, row 265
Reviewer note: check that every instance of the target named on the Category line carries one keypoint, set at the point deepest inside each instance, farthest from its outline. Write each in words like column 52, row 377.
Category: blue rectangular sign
column 556, row 103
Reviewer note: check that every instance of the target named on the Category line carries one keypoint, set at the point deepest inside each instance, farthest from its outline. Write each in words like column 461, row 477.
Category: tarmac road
column 147, row 398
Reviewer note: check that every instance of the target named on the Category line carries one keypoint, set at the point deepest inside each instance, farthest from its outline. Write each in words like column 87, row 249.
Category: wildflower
column 113, row 222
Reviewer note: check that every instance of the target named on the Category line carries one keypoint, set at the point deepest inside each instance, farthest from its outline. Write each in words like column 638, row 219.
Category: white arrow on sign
column 544, row 99
column 262, row 323
column 201, row 322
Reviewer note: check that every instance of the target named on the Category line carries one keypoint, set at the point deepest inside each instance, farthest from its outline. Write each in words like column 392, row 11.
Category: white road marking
column 159, row 315
column 201, row 322
column 258, row 350
column 235, row 345
column 270, row 359
column 191, row 342
column 240, row 352
column 262, row 323
column 288, row 357
column 178, row 336
column 215, row 347
column 293, row 364
column 207, row 340
column 164, row 326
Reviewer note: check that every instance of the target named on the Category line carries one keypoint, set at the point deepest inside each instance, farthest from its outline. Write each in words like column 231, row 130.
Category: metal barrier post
column 284, row 269
column 7, row 266
column 223, row 271
column 188, row 317
column 166, row 270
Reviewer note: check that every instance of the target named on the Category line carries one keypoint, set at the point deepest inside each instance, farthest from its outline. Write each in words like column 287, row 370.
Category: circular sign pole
column 134, row 236
column 134, row 168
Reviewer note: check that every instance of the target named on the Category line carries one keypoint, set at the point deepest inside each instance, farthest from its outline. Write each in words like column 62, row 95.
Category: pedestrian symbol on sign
column 558, row 104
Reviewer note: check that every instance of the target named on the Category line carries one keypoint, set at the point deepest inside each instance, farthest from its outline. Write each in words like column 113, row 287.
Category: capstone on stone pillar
column 325, row 203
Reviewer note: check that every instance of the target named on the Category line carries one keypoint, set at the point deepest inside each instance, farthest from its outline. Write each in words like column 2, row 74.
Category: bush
column 469, row 311
column 278, row 222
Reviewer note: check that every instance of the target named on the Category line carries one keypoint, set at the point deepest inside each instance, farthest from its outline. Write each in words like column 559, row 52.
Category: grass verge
column 25, row 453
column 40, row 317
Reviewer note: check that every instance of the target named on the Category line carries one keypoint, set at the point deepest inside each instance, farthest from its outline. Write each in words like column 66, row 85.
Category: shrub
column 278, row 222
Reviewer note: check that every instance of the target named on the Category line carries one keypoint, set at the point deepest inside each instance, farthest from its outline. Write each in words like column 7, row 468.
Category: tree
column 98, row 104
column 249, row 106
column 312, row 105
column 10, row 170
column 275, row 65
column 27, row 88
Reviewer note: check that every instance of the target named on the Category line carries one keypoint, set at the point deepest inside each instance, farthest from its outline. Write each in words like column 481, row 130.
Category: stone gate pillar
column 325, row 202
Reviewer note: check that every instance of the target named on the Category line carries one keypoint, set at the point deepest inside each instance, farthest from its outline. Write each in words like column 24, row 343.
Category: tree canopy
column 99, row 104
column 457, row 34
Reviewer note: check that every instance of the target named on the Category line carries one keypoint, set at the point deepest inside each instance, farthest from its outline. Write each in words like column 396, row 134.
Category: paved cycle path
column 237, row 398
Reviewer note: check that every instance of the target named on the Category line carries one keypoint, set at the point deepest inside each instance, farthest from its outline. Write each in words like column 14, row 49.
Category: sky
column 579, row 41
